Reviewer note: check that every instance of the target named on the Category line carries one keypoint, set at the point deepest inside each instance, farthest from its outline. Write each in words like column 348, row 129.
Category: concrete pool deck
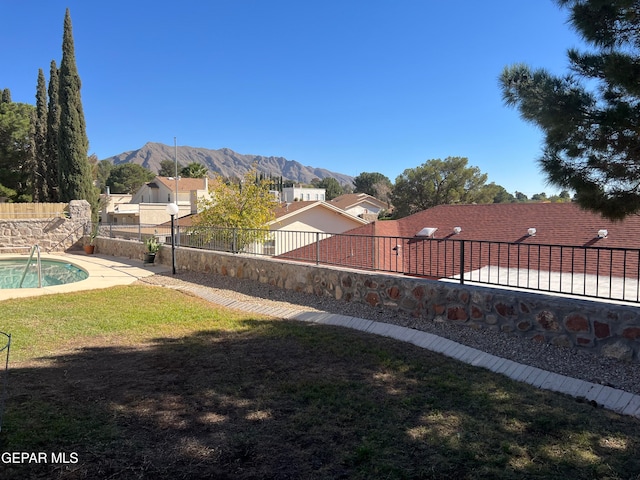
column 104, row 271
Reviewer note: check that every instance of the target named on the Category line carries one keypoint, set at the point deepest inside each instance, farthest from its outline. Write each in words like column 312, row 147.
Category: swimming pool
column 54, row 272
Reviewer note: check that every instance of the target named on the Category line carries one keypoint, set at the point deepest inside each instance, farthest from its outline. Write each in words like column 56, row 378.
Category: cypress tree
column 75, row 172
column 53, row 129
column 40, row 173
column 6, row 96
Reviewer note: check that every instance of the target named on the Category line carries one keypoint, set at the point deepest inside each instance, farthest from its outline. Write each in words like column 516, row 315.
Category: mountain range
column 226, row 162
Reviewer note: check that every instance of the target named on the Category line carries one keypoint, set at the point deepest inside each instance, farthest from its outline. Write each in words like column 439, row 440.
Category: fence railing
column 608, row 273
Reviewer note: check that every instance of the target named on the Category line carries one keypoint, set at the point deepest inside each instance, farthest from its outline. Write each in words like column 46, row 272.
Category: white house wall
column 291, row 194
column 156, row 213
column 309, row 222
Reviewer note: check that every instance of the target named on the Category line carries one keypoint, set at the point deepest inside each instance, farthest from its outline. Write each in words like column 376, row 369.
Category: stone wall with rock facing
column 607, row 329
column 56, row 234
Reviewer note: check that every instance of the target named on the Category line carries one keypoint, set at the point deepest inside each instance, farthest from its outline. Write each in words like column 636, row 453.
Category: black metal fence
column 607, row 273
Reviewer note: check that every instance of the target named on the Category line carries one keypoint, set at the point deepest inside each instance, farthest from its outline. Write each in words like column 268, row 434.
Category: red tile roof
column 563, row 224
column 555, row 224
column 184, row 184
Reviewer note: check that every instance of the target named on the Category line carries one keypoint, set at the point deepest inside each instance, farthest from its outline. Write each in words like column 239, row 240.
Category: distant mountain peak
column 226, row 162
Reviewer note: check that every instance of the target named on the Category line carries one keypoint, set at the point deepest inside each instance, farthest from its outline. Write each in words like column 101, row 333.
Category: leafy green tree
column 589, row 117
column 521, row 197
column 6, row 96
column 242, row 208
column 501, row 195
column 331, row 186
column 53, row 131
column 75, row 177
column 194, row 170
column 7, row 193
column 539, row 197
column 15, row 150
column 373, row 183
column 103, row 170
column 40, row 173
column 168, row 168
column 561, row 198
column 439, row 182
column 128, row 178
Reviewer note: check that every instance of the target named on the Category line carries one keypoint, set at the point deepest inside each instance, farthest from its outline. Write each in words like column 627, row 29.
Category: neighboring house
column 525, row 238
column 556, row 224
column 360, row 205
column 300, row 194
column 119, row 202
column 296, row 224
column 148, row 205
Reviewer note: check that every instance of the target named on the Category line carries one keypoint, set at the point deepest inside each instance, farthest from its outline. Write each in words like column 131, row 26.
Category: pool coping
column 104, row 271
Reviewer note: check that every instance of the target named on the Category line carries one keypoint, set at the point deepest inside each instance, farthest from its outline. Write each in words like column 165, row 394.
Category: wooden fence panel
column 15, row 211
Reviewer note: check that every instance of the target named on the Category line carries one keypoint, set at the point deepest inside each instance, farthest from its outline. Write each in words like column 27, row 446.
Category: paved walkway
column 107, row 271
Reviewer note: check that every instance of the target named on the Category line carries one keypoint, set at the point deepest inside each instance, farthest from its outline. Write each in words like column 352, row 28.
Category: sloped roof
column 349, row 200
column 285, row 210
column 186, row 221
column 555, row 224
column 184, row 184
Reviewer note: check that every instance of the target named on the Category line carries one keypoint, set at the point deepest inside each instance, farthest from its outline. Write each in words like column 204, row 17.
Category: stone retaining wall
column 56, row 234
column 607, row 329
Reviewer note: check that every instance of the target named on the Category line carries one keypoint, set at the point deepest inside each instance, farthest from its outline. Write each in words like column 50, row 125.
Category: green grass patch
column 146, row 382
column 42, row 325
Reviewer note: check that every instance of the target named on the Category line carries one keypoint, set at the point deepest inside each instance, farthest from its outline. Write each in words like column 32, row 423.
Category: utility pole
column 175, row 158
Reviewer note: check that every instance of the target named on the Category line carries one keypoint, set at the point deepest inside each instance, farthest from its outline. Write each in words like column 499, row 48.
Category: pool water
column 54, row 272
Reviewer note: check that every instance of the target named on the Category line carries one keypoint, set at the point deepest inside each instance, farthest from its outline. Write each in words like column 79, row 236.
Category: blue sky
column 348, row 85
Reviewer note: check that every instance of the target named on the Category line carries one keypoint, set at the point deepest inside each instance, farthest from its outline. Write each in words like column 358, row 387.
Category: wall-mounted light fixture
column 531, row 232
column 603, row 233
column 427, row 232
column 457, row 230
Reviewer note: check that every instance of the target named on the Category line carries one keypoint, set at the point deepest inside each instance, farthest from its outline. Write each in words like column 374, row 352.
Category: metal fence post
column 374, row 257
column 462, row 262
column 317, row 248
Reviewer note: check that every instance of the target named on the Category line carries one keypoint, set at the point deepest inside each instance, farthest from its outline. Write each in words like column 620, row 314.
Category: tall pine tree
column 53, row 130
column 40, row 173
column 74, row 169
column 590, row 117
